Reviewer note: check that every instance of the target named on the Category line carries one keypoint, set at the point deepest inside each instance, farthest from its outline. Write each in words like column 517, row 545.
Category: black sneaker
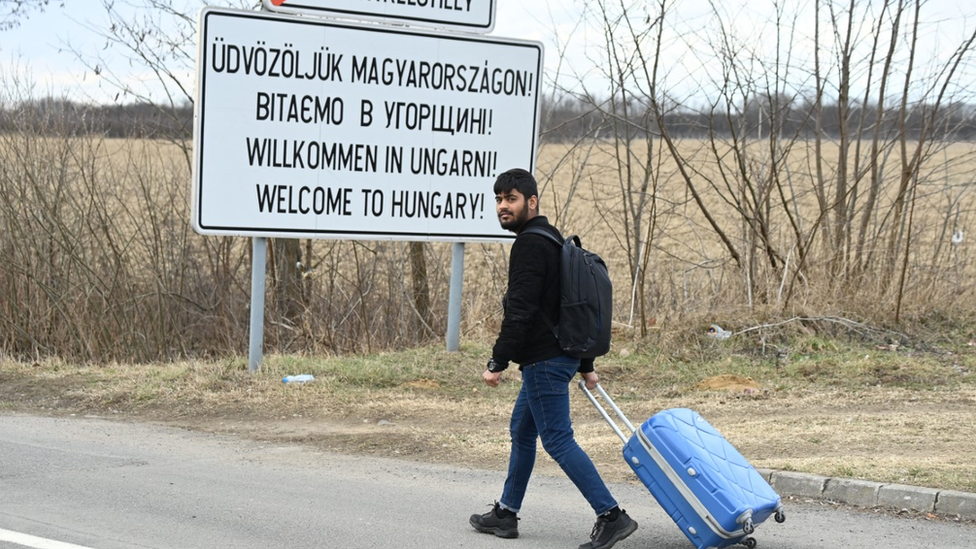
column 501, row 522
column 607, row 532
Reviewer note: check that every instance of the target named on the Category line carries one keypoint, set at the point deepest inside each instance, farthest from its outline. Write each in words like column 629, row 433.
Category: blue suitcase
column 705, row 485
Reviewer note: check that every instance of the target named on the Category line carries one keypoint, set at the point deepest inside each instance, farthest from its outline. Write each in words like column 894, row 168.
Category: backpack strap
column 552, row 237
column 542, row 232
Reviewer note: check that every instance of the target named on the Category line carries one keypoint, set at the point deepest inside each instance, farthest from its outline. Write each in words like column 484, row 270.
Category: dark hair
column 517, row 179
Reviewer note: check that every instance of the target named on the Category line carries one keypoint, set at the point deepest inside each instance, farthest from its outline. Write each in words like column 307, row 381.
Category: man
column 542, row 407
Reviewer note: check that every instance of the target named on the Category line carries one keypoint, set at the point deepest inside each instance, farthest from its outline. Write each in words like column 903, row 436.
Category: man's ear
column 534, row 203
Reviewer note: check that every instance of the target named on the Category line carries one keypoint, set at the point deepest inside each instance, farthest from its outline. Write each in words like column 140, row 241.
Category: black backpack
column 586, row 298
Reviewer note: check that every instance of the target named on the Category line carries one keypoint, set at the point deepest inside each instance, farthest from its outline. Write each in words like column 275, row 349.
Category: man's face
column 513, row 209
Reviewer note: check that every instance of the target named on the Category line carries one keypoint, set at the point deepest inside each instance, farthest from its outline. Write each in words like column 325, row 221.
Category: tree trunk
column 421, row 289
column 288, row 279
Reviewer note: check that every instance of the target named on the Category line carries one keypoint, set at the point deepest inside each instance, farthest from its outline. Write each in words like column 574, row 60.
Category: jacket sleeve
column 526, row 282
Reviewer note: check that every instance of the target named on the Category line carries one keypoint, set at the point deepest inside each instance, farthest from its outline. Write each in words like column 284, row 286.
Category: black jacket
column 533, row 288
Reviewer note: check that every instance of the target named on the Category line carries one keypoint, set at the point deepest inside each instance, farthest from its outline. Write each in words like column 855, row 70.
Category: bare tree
column 12, row 12
column 759, row 92
column 630, row 213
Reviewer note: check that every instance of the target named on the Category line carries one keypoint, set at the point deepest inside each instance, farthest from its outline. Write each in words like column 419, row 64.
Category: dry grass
column 111, row 270
column 852, row 410
column 689, row 266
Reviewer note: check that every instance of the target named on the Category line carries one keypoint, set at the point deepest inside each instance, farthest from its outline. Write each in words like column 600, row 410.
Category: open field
column 100, row 264
column 887, row 414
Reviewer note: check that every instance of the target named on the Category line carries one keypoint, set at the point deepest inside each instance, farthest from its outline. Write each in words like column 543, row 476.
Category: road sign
column 310, row 128
column 465, row 15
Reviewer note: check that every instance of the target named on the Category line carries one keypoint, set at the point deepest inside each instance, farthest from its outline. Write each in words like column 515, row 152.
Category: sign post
column 259, row 261
column 454, row 298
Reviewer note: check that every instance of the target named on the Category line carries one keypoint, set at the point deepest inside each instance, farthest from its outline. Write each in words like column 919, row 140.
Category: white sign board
column 466, row 15
column 307, row 128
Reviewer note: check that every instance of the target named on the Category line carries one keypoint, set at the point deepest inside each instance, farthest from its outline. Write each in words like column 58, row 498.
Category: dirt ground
column 896, row 435
column 918, row 438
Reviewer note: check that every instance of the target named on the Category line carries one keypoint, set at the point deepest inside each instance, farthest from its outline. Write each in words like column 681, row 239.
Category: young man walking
column 542, row 408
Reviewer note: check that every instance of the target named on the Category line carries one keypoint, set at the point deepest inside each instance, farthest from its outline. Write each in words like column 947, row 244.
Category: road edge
column 863, row 493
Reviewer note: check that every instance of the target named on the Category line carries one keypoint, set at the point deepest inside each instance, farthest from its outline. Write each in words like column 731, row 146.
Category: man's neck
column 527, row 221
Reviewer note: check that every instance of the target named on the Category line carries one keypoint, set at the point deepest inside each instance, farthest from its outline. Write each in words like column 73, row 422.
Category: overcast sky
column 41, row 49
column 40, row 53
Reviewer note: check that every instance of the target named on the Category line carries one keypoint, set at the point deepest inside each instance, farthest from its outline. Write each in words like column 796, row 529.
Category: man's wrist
column 495, row 367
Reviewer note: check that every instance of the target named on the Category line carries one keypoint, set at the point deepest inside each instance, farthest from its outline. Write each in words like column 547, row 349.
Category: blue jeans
column 542, row 411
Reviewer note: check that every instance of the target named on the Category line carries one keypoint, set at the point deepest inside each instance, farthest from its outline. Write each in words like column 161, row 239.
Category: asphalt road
column 89, row 483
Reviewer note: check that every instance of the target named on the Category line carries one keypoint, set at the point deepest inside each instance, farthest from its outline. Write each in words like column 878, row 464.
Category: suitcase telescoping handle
column 605, row 414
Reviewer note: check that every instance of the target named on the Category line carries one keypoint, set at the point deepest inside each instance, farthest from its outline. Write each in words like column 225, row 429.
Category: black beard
column 514, row 225
column 518, row 219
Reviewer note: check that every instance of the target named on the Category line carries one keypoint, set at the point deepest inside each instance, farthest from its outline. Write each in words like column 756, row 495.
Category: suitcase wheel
column 780, row 517
column 750, row 542
column 748, row 527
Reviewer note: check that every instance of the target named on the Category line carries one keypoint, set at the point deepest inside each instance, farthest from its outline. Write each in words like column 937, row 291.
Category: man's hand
column 492, row 379
column 591, row 380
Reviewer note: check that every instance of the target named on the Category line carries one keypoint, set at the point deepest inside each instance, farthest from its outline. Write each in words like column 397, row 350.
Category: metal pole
column 454, row 299
column 259, row 261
